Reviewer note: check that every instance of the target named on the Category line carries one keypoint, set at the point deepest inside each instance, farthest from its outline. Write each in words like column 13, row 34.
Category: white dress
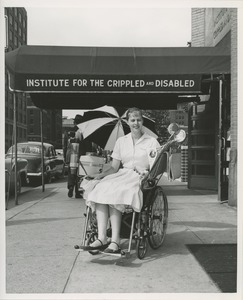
column 122, row 188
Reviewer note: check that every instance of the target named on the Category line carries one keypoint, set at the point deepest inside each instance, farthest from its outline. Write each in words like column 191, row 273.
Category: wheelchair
column 148, row 227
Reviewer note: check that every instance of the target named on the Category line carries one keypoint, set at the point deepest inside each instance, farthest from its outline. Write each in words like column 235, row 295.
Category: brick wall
column 199, row 39
column 198, row 27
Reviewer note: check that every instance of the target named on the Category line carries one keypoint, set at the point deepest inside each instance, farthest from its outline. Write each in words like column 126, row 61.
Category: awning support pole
column 42, row 152
column 15, row 150
column 220, row 137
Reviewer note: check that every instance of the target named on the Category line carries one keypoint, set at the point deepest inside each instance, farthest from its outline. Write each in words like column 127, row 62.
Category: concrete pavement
column 42, row 230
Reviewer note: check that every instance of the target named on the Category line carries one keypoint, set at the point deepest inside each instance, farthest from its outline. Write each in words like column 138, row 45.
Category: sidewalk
column 41, row 233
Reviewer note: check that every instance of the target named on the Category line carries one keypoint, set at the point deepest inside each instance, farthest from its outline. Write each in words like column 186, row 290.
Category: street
column 41, row 233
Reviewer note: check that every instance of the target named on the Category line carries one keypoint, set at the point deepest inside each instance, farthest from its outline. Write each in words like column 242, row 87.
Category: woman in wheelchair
column 114, row 189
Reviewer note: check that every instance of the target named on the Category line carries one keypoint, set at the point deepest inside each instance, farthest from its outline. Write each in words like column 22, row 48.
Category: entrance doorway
column 202, row 145
column 209, row 141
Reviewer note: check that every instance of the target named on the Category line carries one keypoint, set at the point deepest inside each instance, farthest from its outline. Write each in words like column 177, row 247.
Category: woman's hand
column 143, row 174
column 98, row 176
column 94, row 177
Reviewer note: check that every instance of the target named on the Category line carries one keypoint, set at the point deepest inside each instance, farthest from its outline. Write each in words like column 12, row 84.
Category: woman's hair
column 132, row 110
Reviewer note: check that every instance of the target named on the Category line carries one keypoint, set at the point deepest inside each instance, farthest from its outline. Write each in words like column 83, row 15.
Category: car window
column 34, row 150
column 53, row 151
column 48, row 152
column 26, row 149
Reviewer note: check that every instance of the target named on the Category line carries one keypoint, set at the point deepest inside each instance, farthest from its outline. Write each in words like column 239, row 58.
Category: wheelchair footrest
column 89, row 248
column 121, row 254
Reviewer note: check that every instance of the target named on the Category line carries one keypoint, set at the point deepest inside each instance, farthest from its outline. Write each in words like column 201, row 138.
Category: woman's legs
column 115, row 218
column 103, row 212
column 102, row 215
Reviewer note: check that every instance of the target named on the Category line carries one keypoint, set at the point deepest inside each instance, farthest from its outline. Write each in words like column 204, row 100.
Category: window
column 10, row 97
column 11, row 113
column 52, row 151
column 11, row 35
column 15, row 41
column 10, row 19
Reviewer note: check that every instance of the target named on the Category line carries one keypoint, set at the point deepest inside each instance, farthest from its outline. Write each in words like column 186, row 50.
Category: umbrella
column 104, row 125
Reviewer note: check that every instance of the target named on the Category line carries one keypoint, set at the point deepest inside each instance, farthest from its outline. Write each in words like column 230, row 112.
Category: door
column 202, row 146
column 224, row 140
column 209, row 140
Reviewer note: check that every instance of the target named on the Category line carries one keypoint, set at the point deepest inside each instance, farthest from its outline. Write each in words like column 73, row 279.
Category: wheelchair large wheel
column 158, row 218
column 90, row 233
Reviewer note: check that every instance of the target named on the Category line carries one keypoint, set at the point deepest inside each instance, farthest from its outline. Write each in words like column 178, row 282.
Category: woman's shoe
column 109, row 250
column 101, row 247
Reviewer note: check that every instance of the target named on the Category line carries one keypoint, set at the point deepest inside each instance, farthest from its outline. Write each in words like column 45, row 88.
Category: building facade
column 67, row 125
column 27, row 115
column 16, row 35
column 179, row 116
column 51, row 124
column 217, row 117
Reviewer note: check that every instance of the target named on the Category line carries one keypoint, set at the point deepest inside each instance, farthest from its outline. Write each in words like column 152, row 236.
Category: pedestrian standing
column 72, row 137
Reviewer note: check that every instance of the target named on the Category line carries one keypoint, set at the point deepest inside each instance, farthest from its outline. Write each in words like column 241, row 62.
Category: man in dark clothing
column 74, row 136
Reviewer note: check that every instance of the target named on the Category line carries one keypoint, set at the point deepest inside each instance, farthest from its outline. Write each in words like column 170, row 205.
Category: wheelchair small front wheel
column 141, row 247
column 158, row 218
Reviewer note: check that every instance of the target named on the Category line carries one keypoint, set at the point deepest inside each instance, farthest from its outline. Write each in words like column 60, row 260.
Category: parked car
column 10, row 175
column 59, row 152
column 31, row 151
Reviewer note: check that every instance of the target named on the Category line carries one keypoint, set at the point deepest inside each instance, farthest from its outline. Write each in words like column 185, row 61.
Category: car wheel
column 23, row 179
column 48, row 178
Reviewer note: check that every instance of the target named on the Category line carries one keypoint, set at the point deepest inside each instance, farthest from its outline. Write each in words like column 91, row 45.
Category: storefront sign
column 221, row 24
column 121, row 83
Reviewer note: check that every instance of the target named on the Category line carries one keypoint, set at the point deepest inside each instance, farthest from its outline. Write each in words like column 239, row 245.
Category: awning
column 69, row 76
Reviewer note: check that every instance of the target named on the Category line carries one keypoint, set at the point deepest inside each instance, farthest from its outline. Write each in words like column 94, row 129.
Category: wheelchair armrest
column 147, row 183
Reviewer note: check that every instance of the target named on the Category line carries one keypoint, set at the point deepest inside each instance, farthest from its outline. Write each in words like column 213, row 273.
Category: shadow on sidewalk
column 179, row 190
column 220, row 263
column 176, row 243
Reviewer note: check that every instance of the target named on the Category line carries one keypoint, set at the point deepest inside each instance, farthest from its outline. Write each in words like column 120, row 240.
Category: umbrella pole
column 15, row 150
column 42, row 152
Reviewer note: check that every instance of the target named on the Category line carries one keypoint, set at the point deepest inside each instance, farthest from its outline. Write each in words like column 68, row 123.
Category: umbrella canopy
column 106, row 124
